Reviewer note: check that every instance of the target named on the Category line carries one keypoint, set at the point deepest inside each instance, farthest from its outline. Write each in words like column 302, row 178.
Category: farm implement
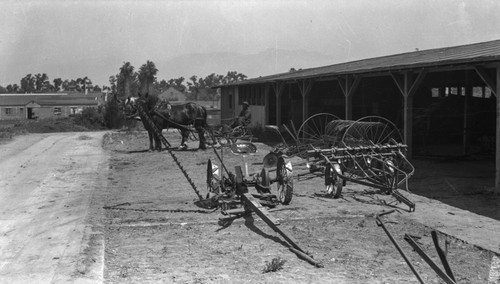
column 367, row 151
column 230, row 191
column 226, row 135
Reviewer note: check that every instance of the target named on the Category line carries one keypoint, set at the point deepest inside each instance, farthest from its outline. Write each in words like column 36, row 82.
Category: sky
column 70, row 39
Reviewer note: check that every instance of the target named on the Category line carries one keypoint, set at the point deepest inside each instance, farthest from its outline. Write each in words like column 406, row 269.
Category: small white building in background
column 33, row 106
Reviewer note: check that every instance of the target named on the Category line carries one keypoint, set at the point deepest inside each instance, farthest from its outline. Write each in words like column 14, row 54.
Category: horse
column 165, row 115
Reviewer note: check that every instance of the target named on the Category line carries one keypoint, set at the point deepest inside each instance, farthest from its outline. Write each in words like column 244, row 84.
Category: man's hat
column 245, row 103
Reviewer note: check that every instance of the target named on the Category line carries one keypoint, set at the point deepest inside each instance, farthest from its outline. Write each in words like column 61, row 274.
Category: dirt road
column 46, row 184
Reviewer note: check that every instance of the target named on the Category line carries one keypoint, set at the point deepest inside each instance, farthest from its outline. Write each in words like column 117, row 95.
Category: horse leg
column 150, row 134
column 185, row 137
column 158, row 143
column 201, row 137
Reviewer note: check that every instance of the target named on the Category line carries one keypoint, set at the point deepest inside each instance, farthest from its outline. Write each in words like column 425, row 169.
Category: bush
column 90, row 118
column 113, row 117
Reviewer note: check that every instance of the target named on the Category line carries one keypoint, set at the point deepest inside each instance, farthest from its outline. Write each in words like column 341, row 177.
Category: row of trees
column 127, row 83
column 40, row 83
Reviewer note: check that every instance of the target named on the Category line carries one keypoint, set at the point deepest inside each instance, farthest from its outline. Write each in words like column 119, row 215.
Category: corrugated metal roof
column 463, row 54
column 48, row 100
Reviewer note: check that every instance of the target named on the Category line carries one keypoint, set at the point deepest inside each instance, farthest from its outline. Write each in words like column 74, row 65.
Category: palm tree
column 126, row 75
column 147, row 75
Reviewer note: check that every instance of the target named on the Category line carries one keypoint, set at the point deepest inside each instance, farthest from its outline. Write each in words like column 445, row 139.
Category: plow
column 368, row 151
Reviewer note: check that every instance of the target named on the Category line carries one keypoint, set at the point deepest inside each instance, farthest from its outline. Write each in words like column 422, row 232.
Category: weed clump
column 275, row 265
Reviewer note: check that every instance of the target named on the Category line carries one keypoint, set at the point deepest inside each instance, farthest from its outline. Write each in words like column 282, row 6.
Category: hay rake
column 367, row 151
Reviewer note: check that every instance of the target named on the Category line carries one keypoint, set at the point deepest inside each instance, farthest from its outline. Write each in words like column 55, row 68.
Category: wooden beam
column 487, row 79
column 348, row 85
column 416, row 83
column 400, row 81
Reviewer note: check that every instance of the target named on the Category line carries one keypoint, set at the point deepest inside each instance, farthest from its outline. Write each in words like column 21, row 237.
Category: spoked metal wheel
column 237, row 133
column 333, row 182
column 213, row 179
column 313, row 130
column 222, row 134
column 371, row 130
column 285, row 181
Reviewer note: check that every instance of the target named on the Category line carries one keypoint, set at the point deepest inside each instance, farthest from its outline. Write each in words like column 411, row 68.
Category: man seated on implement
column 244, row 118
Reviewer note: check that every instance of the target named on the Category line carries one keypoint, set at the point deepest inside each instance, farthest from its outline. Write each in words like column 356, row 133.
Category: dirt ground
column 46, row 184
column 154, row 231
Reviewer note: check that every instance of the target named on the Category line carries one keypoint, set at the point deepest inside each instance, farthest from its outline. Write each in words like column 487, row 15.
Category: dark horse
column 165, row 115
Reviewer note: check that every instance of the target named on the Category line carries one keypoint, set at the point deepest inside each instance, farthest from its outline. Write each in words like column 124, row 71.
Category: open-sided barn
column 442, row 98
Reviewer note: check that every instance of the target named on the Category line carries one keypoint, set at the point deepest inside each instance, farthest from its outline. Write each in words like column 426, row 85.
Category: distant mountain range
column 267, row 62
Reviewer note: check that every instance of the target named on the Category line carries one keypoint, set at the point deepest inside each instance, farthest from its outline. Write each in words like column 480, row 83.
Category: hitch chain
column 167, row 145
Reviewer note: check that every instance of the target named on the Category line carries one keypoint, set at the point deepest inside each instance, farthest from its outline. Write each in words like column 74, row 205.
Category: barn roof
column 47, row 100
column 484, row 52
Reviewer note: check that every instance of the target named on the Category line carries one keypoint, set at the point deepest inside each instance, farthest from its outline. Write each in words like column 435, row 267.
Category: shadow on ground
column 465, row 183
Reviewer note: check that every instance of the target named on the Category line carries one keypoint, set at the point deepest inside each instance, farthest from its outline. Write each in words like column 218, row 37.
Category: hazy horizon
column 71, row 39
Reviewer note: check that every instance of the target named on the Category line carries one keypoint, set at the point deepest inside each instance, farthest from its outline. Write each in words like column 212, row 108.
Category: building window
column 230, row 101
column 57, row 111
column 477, row 92
column 21, row 110
column 8, row 111
column 435, row 92
column 487, row 92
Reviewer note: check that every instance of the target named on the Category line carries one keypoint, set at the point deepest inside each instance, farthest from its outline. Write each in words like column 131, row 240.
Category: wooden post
column 278, row 89
column 494, row 86
column 408, row 88
column 497, row 172
column 348, row 107
column 466, row 138
column 266, row 102
column 408, row 117
column 305, row 88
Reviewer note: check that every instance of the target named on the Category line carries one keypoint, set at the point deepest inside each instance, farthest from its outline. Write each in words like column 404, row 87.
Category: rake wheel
column 285, row 182
column 333, row 181
column 369, row 131
column 313, row 130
